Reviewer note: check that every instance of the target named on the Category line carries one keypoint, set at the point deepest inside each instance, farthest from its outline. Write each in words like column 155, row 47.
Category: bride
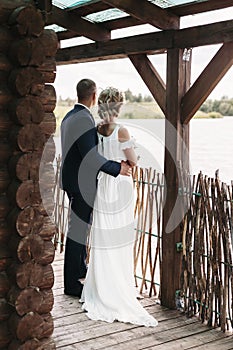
column 109, row 291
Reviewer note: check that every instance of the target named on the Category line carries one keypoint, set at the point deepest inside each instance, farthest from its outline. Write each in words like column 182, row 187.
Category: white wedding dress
column 109, row 291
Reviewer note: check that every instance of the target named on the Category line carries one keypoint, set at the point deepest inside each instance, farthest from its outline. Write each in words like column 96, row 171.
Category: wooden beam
column 151, row 78
column 174, row 205
column 110, row 25
column 124, row 22
column 79, row 25
column 206, row 82
column 45, row 6
column 67, row 34
column 148, row 43
column 147, row 12
column 88, row 8
column 199, row 7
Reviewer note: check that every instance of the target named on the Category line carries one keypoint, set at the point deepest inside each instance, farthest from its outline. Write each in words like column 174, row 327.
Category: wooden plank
column 143, row 338
column 147, row 12
column 225, row 343
column 98, row 329
column 199, row 7
column 206, row 82
column 74, row 330
column 151, row 78
column 79, row 25
column 193, row 341
column 148, row 43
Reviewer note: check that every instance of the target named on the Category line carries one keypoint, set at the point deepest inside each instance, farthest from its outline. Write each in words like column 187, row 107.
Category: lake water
column 211, row 145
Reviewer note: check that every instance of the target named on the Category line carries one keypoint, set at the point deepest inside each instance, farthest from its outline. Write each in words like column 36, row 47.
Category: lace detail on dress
column 128, row 144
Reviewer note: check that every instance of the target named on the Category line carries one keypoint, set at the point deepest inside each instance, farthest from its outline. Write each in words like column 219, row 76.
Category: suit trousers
column 75, row 249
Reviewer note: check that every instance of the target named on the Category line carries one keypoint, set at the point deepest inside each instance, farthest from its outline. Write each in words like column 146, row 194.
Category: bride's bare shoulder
column 123, row 134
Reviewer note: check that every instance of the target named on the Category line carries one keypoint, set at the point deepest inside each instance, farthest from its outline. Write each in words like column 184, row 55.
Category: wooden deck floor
column 73, row 329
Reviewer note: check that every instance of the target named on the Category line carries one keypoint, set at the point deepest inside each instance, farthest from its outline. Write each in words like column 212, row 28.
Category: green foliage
column 129, row 97
column 223, row 106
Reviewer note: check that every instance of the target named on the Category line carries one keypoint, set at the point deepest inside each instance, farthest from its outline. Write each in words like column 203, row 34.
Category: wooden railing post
column 176, row 154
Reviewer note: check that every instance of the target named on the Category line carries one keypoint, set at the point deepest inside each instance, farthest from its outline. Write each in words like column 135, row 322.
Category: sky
column 122, row 74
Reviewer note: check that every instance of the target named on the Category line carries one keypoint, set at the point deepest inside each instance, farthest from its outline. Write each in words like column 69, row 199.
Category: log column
column 27, row 101
column 176, row 155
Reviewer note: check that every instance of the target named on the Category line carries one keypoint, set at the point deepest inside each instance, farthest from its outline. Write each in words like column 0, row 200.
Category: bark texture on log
column 25, row 166
column 26, row 221
column 48, row 98
column 42, row 344
column 5, row 335
column 30, row 326
column 24, row 194
column 28, row 138
column 5, row 232
column 5, row 257
column 5, row 125
column 4, row 285
column 26, row 52
column 31, row 299
column 26, row 110
column 26, row 21
column 27, row 102
column 32, row 274
column 5, row 310
column 33, row 247
column 48, row 124
column 4, row 206
column 6, row 37
column 25, row 81
column 4, row 178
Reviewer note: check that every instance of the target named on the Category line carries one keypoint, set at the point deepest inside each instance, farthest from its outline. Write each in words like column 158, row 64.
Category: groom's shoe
column 74, row 292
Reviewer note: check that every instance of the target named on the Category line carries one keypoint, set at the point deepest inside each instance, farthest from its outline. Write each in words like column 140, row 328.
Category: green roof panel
column 169, row 3
column 106, row 15
column 67, row 4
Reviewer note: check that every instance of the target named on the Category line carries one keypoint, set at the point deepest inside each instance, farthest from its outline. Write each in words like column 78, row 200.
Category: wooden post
column 176, row 139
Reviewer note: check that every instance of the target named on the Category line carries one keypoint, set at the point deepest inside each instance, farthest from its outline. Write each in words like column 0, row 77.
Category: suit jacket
column 81, row 161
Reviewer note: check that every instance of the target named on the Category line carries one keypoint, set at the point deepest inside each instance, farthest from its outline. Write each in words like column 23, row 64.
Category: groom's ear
column 94, row 98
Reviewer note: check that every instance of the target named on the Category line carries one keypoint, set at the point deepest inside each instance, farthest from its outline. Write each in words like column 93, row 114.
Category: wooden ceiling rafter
column 199, row 7
column 120, row 23
column 146, row 12
column 78, row 25
column 150, row 43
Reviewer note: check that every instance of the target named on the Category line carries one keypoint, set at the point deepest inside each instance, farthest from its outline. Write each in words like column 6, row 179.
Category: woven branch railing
column 207, row 280
column 148, row 210
column 206, row 287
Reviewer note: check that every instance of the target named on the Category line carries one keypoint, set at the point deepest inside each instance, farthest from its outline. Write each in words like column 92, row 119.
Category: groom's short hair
column 85, row 89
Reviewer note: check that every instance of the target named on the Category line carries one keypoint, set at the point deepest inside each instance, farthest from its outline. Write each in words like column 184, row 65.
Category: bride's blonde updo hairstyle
column 109, row 103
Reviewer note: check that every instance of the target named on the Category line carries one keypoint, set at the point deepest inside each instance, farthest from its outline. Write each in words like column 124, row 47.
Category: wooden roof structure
column 176, row 97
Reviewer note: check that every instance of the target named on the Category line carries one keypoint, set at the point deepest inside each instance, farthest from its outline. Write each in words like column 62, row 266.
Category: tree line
column 224, row 106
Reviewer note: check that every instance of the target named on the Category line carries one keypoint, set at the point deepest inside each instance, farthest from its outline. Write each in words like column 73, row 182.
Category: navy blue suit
column 81, row 163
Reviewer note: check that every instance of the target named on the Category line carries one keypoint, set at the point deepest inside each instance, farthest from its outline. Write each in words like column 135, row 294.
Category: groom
column 81, row 163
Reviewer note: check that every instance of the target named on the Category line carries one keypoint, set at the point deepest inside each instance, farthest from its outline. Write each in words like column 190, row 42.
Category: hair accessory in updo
column 110, row 100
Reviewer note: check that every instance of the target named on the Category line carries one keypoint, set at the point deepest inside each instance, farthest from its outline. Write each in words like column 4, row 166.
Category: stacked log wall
column 27, row 101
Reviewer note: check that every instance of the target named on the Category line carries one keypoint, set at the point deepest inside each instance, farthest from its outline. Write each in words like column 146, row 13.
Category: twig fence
column 206, row 278
column 206, row 281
